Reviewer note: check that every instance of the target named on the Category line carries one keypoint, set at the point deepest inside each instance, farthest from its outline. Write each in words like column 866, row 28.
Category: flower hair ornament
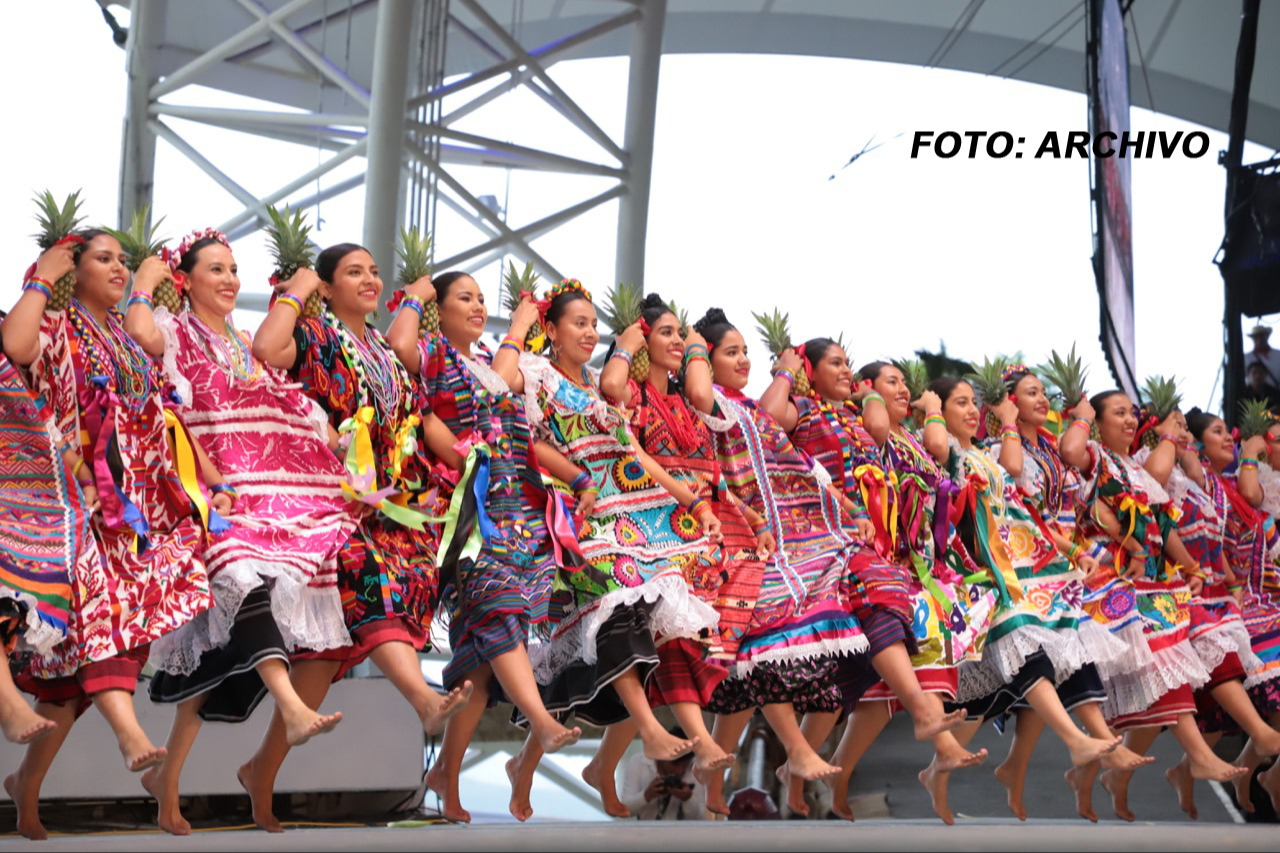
column 173, row 257
column 1016, row 369
column 645, row 328
column 565, row 286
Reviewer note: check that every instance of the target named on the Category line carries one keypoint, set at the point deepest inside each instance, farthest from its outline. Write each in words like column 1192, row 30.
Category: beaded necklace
column 114, row 355
column 845, row 430
column 390, row 383
column 232, row 353
column 1055, row 473
column 585, row 383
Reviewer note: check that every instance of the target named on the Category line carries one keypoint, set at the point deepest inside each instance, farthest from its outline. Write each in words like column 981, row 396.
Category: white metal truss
column 387, row 130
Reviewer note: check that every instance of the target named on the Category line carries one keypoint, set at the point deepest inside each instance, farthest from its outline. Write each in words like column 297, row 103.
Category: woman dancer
column 1128, row 516
column 274, row 573
column 502, row 594
column 387, row 574
column 641, row 534
column 147, row 501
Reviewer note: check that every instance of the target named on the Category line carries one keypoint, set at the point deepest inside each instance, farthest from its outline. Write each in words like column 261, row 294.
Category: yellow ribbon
column 888, row 500
column 404, row 446
column 1133, row 506
column 184, row 457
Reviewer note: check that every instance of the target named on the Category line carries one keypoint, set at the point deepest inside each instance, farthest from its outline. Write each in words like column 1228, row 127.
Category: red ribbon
column 645, row 328
column 70, row 238
column 804, row 360
column 393, row 303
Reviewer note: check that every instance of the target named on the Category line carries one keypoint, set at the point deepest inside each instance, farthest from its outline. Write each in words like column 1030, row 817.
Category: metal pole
column 642, row 102
column 138, row 150
column 383, row 203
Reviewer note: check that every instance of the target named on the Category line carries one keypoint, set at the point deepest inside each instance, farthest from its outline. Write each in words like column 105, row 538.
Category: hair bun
column 713, row 317
column 653, row 300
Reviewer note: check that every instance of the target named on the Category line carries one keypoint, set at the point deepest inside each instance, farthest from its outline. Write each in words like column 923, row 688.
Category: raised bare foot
column 935, row 781
column 796, row 801
column 839, row 785
column 1215, row 769
column 715, row 796
column 29, row 825
column 1090, row 749
column 1244, row 794
column 1081, row 780
column 710, row 761
column 1179, row 776
column 930, row 727
column 24, row 725
column 556, row 737
column 140, row 756
column 434, row 718
column 956, row 758
column 1116, row 783
column 604, row 783
column 1270, row 782
column 439, row 782
column 304, row 726
column 1013, row 782
column 808, row 765
column 260, row 793
column 168, row 813
column 661, row 745
column 1125, row 758
column 521, row 781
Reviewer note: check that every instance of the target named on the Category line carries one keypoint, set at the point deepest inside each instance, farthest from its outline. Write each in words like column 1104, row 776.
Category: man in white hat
column 1263, row 354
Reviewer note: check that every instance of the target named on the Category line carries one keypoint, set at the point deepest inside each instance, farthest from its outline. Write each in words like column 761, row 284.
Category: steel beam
column 137, row 173
column 642, row 103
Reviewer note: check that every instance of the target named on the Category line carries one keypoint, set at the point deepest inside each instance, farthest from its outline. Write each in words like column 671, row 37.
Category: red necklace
column 674, row 412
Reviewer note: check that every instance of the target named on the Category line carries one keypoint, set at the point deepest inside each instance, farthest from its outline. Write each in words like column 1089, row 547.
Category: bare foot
column 141, row 759
column 1091, row 749
column 24, row 725
column 604, row 783
column 1116, row 783
column 796, row 801
column 433, row 719
column 661, row 745
column 715, row 796
column 556, row 737
column 839, row 785
column 1270, row 782
column 1179, row 776
column 304, row 726
column 1267, row 744
column 808, row 765
column 439, row 782
column 521, row 779
column 935, row 781
column 1081, row 780
column 168, row 811
column 259, row 792
column 29, row 825
column 711, row 761
column 1125, row 758
column 931, row 727
column 956, row 758
column 1013, row 782
column 1215, row 769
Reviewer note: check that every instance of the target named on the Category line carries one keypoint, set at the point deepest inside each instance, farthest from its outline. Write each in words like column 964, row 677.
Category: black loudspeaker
column 1251, row 252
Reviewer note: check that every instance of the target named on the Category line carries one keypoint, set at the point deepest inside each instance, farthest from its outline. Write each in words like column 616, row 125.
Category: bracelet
column 696, row 356
column 760, row 525
column 1235, row 587
column 691, row 348
column 1081, row 422
column 873, row 396
column 141, row 298
column 1169, row 437
column 413, row 303
column 224, row 488
column 622, row 354
column 787, row 375
column 40, row 286
column 696, row 505
column 1011, row 432
column 509, row 341
column 75, row 469
column 935, row 419
column 292, row 301
column 510, row 346
column 582, row 482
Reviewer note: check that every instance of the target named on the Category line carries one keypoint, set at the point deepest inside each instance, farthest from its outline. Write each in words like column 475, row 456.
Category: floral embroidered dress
column 802, row 620
column 290, row 519
column 504, row 591
column 637, row 548
column 1032, row 582
column 1160, row 598
column 102, row 388
column 387, row 573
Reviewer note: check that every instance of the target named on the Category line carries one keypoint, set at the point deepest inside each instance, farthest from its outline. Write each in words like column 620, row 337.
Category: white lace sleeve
column 728, row 417
column 821, row 474
column 1179, row 483
column 487, row 376
column 167, row 325
column 533, row 368
column 1270, row 480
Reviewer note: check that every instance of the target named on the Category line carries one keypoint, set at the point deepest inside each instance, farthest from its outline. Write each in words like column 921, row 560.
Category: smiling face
column 356, row 285
column 729, row 361
column 961, row 412
column 666, row 347
column 1117, row 423
column 892, row 386
column 832, row 377
column 214, row 282
column 101, row 274
column 574, row 336
column 463, row 312
column 1032, row 401
column 1219, row 446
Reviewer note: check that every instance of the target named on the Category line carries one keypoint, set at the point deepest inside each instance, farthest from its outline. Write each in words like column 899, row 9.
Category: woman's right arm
column 273, row 343
column 776, row 400
column 21, row 329
column 1073, row 446
column 403, row 333
column 617, row 370
column 140, row 319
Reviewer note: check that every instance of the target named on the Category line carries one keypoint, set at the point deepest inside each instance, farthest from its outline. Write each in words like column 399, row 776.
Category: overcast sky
column 986, row 255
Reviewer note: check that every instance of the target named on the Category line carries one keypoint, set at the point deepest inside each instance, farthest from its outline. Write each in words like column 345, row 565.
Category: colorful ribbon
column 880, row 497
column 188, row 468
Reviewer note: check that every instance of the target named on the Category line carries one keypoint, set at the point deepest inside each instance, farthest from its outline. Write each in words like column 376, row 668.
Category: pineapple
column 682, row 317
column 1255, row 419
column 57, row 222
column 1065, row 375
column 292, row 250
column 414, row 252
column 623, row 310
column 773, row 328
column 1163, row 400
column 988, row 381
column 915, row 374
column 515, row 282
column 139, row 243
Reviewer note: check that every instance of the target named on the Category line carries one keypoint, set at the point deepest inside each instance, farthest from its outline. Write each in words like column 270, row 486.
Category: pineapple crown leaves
column 988, row 380
column 138, row 241
column 682, row 317
column 515, row 282
column 1255, row 418
column 622, row 306
column 1161, row 396
column 915, row 374
column 414, row 252
column 56, row 221
column 290, row 240
column 1065, row 375
column 774, row 329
